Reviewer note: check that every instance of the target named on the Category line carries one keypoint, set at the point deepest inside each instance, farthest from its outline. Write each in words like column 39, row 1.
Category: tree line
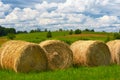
column 5, row 31
column 10, row 32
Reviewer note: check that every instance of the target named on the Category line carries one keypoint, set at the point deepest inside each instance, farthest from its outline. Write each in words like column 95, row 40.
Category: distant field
column 64, row 36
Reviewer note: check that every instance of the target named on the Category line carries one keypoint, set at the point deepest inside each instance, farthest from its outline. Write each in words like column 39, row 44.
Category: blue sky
column 101, row 15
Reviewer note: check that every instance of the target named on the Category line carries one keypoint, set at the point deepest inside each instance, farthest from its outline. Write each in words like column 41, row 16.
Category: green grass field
column 64, row 36
column 82, row 73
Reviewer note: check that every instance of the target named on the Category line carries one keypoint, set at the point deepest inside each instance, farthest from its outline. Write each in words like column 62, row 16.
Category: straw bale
column 58, row 53
column 0, row 59
column 90, row 53
column 22, row 56
column 114, row 47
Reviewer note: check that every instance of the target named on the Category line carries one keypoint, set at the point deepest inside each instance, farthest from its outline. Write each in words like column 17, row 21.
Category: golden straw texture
column 114, row 47
column 90, row 53
column 58, row 53
column 23, row 56
column 0, row 59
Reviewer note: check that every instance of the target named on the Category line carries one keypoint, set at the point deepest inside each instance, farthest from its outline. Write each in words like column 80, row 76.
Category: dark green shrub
column 78, row 31
column 71, row 32
column 11, row 36
column 116, row 35
column 49, row 34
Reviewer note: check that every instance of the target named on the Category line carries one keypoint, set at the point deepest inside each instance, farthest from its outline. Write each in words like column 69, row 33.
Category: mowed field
column 80, row 73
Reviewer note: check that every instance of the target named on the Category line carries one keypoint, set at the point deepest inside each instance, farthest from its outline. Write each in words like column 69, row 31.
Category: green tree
column 60, row 30
column 116, row 36
column 119, row 31
column 18, row 32
column 4, row 31
column 92, row 30
column 88, row 30
column 78, row 31
column 32, row 31
column 10, row 30
column 49, row 34
column 71, row 32
column 11, row 36
column 45, row 30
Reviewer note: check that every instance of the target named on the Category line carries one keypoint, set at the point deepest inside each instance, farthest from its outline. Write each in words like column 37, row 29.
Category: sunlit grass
column 64, row 36
column 82, row 73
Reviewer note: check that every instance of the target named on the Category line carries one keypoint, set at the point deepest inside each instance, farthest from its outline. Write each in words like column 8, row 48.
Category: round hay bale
column 90, row 53
column 23, row 56
column 0, row 59
column 58, row 53
column 114, row 47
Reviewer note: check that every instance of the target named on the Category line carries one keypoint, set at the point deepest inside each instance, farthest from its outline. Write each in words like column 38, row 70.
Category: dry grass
column 58, row 53
column 23, row 56
column 114, row 47
column 90, row 53
column 3, row 40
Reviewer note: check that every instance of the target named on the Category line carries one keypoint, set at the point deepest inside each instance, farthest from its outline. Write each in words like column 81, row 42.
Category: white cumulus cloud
column 22, row 14
column 108, row 19
column 4, row 8
column 72, row 14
